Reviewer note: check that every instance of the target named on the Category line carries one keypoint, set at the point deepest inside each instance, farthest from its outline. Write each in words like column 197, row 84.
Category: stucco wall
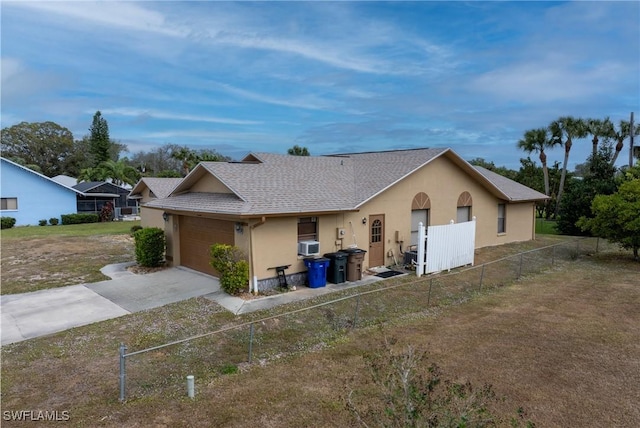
column 38, row 197
column 442, row 180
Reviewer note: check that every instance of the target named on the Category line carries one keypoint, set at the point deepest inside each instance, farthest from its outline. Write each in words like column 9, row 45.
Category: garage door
column 197, row 234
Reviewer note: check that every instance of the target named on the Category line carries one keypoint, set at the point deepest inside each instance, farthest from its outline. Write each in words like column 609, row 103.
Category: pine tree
column 99, row 138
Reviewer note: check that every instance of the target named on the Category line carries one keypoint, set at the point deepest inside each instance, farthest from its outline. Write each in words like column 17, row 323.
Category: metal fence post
column 355, row 315
column 250, row 342
column 429, row 295
column 123, row 373
column 481, row 277
column 553, row 255
column 597, row 244
column 577, row 247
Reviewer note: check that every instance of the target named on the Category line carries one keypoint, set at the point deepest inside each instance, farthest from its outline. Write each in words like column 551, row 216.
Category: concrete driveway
column 29, row 315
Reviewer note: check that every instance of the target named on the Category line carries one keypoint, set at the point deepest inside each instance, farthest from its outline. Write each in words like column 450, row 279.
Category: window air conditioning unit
column 309, row 248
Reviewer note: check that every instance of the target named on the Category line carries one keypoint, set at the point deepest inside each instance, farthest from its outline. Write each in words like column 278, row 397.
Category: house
column 29, row 196
column 267, row 204
column 148, row 189
column 65, row 179
column 94, row 194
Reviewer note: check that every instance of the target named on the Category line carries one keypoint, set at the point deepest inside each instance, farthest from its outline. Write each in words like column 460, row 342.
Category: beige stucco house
column 148, row 189
column 267, row 203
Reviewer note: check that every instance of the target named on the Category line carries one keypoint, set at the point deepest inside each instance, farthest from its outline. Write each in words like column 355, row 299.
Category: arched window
column 420, row 207
column 465, row 202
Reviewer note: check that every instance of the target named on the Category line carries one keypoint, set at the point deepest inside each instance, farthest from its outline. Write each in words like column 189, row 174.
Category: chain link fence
column 163, row 369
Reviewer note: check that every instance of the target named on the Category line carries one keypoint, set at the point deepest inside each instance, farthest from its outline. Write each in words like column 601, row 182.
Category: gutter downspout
column 262, row 221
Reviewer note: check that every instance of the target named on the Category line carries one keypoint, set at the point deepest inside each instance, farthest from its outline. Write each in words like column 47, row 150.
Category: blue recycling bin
column 317, row 271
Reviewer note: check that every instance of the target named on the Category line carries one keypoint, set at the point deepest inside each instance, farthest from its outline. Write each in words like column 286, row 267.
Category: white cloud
column 156, row 114
column 127, row 15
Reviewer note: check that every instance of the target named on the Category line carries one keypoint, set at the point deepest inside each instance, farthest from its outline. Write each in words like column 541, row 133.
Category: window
column 418, row 216
column 9, row 204
column 502, row 218
column 464, row 207
column 307, row 229
column 420, row 207
column 376, row 231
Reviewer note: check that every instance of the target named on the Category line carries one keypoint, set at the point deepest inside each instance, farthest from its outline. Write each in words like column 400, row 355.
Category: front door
column 376, row 240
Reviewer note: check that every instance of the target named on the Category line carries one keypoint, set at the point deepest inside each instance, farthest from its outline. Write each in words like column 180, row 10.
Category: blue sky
column 332, row 76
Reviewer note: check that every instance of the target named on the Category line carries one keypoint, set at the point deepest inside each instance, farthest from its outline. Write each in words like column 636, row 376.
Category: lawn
column 561, row 344
column 39, row 257
column 546, row 227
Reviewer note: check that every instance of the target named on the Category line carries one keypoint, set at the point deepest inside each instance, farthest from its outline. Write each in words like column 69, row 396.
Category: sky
column 335, row 77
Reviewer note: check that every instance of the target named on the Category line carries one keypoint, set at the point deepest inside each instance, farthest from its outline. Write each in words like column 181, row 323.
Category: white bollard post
column 191, row 389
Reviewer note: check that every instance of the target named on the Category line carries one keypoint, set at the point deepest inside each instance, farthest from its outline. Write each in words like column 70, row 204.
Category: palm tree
column 91, row 174
column 536, row 140
column 623, row 132
column 186, row 156
column 598, row 128
column 119, row 172
column 566, row 128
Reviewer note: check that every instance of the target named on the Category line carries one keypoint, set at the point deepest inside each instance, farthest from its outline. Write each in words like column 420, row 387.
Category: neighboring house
column 65, row 179
column 29, row 196
column 268, row 203
column 148, row 189
column 94, row 194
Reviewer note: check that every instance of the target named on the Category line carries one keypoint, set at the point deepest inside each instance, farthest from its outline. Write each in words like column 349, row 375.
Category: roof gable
column 30, row 171
column 160, row 186
column 267, row 183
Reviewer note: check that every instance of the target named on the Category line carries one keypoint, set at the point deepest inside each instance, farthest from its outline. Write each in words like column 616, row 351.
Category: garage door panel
column 197, row 235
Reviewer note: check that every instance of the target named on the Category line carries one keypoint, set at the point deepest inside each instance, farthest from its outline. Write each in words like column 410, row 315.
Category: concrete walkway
column 29, row 315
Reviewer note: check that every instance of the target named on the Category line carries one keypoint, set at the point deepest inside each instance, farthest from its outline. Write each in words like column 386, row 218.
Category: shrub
column 79, row 218
column 42, row 222
column 53, row 221
column 135, row 228
column 231, row 264
column 7, row 222
column 106, row 213
column 150, row 246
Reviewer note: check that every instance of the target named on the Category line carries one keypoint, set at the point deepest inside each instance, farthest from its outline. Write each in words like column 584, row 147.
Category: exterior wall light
column 165, row 216
column 364, row 220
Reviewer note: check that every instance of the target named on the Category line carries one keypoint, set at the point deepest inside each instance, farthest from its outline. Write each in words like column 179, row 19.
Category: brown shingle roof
column 515, row 191
column 284, row 184
column 161, row 187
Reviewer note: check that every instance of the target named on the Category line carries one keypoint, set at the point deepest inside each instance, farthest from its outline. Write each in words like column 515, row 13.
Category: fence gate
column 448, row 246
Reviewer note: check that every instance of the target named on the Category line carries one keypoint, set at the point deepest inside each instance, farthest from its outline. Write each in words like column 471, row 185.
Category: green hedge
column 79, row 218
column 7, row 222
column 150, row 246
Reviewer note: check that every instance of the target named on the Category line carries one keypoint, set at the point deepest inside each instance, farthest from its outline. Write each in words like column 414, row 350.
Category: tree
column 567, row 128
column 598, row 128
column 298, row 151
column 119, row 172
column 45, row 144
column 158, row 162
column 99, row 138
column 598, row 180
column 91, row 174
column 616, row 217
column 620, row 134
column 190, row 158
column 537, row 140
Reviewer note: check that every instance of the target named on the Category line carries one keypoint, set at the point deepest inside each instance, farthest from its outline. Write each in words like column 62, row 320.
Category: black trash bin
column 354, row 263
column 337, row 272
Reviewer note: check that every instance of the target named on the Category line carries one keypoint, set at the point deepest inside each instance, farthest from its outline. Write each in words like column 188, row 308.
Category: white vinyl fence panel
column 448, row 246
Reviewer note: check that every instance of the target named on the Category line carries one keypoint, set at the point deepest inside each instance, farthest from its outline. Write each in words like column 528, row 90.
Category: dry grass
column 39, row 262
column 562, row 344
